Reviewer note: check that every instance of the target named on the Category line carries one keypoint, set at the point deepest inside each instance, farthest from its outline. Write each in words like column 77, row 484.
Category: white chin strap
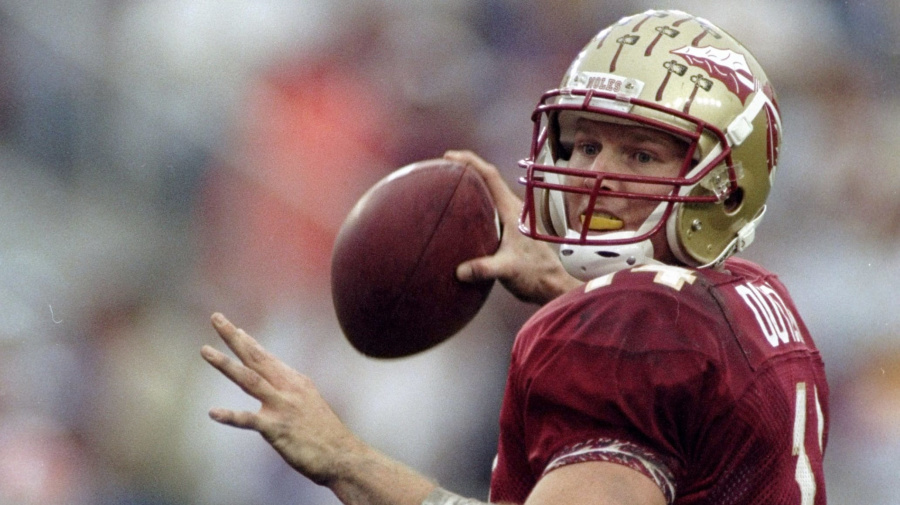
column 586, row 262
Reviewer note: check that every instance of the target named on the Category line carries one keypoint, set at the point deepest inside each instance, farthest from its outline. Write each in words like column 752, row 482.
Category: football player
column 661, row 369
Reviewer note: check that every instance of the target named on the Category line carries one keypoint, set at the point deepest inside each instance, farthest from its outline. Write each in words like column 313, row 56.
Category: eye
column 589, row 149
column 644, row 157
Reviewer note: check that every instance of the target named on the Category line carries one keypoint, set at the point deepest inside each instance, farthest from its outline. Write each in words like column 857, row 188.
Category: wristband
column 441, row 496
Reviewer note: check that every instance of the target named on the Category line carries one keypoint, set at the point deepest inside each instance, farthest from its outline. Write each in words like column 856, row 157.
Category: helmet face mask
column 653, row 71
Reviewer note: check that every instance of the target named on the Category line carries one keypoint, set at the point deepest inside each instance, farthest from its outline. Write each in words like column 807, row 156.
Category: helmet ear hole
column 734, row 201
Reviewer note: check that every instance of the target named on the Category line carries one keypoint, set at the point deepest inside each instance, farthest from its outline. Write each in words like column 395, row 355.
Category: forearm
column 367, row 477
column 375, row 479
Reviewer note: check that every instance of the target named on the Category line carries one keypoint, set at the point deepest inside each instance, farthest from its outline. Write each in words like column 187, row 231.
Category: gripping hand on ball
column 529, row 269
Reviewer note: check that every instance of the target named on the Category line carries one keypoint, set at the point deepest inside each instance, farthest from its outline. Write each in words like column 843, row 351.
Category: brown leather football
column 393, row 268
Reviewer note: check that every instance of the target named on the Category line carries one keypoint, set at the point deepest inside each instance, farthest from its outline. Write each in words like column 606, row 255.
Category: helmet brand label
column 622, row 87
column 606, row 82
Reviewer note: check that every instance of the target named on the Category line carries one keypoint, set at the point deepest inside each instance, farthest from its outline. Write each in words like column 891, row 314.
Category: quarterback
column 661, row 368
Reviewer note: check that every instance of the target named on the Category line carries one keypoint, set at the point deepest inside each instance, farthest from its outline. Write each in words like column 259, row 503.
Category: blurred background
column 161, row 160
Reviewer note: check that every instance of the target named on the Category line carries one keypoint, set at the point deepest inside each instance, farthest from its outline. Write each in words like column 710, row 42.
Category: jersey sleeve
column 629, row 374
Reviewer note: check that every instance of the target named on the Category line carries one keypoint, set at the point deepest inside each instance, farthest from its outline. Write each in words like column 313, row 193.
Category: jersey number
column 804, row 472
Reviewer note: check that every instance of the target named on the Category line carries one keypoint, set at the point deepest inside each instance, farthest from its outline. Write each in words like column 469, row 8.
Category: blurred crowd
column 164, row 159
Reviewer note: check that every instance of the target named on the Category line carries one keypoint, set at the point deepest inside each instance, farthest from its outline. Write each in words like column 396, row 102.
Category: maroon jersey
column 706, row 381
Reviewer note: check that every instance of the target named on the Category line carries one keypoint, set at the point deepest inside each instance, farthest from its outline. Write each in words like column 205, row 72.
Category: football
column 393, row 270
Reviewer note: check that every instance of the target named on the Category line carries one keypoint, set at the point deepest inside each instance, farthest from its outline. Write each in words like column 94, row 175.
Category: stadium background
column 163, row 159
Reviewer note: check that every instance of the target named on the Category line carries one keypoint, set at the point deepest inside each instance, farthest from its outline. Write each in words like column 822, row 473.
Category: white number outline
column 803, row 474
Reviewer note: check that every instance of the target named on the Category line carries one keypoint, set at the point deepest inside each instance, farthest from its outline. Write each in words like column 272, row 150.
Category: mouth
column 600, row 221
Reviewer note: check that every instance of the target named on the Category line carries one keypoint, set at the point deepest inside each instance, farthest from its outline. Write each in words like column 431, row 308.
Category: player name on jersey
column 776, row 322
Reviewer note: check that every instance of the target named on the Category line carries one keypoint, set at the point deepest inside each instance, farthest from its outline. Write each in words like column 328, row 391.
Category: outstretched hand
column 293, row 417
column 528, row 268
column 300, row 425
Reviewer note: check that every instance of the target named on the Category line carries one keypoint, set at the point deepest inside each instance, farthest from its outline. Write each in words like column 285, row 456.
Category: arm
column 596, row 483
column 529, row 269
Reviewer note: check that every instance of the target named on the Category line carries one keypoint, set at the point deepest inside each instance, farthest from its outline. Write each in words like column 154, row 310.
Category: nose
column 601, row 165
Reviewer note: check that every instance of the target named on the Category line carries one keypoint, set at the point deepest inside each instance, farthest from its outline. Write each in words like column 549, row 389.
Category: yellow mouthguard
column 603, row 223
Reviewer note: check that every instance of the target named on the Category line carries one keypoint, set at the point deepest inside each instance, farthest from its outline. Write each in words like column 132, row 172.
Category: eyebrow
column 637, row 134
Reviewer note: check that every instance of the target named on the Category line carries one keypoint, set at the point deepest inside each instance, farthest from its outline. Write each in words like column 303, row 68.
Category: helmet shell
column 669, row 70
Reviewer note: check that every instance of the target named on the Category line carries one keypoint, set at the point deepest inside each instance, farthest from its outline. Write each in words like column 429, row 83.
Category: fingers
column 247, row 379
column 509, row 206
column 248, row 350
column 476, row 270
column 507, row 202
column 242, row 420
column 236, row 339
column 244, row 373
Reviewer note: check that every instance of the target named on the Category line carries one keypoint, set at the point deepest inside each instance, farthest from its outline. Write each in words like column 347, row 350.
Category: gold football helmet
column 679, row 74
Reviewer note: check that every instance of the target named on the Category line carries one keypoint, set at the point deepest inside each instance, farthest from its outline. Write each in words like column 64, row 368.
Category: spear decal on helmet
column 601, row 38
column 722, row 65
column 682, row 20
column 667, row 31
column 622, row 41
column 672, row 67
column 707, row 30
column 606, row 31
column 700, row 82
column 650, row 15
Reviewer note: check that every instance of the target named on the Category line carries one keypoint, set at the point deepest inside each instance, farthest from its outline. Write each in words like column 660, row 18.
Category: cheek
column 649, row 189
column 574, row 204
column 571, row 203
column 572, row 181
column 638, row 211
column 641, row 210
